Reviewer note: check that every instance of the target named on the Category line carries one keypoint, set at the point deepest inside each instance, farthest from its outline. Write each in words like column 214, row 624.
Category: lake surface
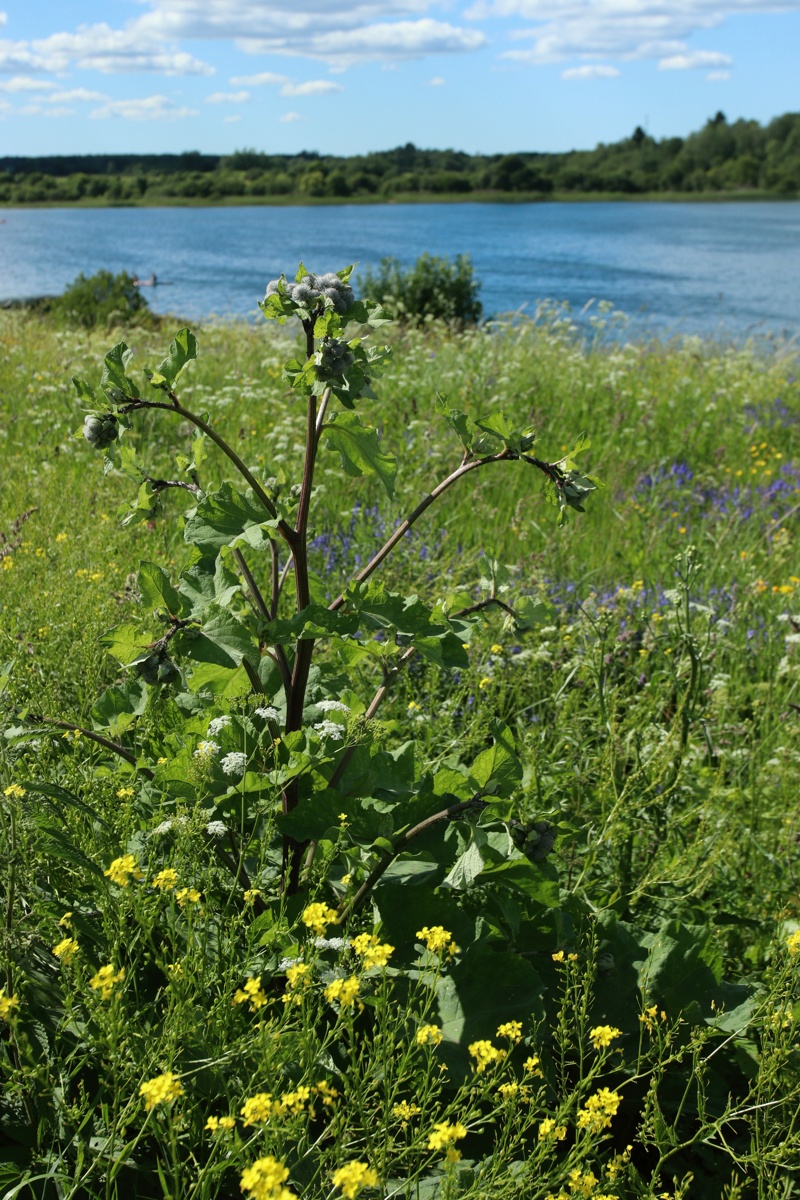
column 730, row 269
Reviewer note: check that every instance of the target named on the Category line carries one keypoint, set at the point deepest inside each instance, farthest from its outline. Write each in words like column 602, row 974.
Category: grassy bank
column 655, row 715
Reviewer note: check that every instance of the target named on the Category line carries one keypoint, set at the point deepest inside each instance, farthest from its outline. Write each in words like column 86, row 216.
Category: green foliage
column 101, row 299
column 433, row 289
column 587, row 780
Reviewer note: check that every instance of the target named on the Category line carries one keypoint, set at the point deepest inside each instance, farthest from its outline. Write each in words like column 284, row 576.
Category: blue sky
column 349, row 76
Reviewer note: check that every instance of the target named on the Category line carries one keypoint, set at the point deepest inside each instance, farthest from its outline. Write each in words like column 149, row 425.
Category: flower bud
column 100, row 431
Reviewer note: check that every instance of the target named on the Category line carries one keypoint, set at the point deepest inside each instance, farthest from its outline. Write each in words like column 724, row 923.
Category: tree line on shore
column 722, row 157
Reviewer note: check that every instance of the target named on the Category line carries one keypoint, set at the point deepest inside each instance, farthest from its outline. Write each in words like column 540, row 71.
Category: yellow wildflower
column 485, row 1055
column 598, row 1110
column 484, row 683
column 251, row 895
column 160, row 1090
column 343, row 990
column 793, row 942
column 437, row 939
column 317, row 917
column 123, row 792
column 371, row 951
column 66, row 920
column 297, row 978
column 7, row 1005
column 352, row 1178
column 166, row 879
column 326, row 1091
column 603, row 1035
column 581, row 1184
column 496, row 648
column 187, row 895
column 213, row 1124
column 548, row 1128
column 66, row 949
column 445, row 1135
column 508, row 1090
column 558, row 956
column 15, row 790
column 405, row 1111
column 429, row 1035
column 532, row 1063
column 264, row 1180
column 292, row 1102
column 61, row 537
column 511, row 1030
column 257, row 1108
column 253, row 994
column 103, row 982
column 122, row 870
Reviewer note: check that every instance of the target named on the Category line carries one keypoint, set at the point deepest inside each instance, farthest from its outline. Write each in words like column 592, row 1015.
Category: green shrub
column 102, row 299
column 434, row 287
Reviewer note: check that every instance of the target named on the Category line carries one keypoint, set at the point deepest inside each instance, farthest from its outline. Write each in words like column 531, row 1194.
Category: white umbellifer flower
column 321, row 943
column 330, row 730
column 217, row 828
column 206, row 750
column 164, row 827
column 218, row 724
column 234, row 763
column 332, row 706
column 269, row 714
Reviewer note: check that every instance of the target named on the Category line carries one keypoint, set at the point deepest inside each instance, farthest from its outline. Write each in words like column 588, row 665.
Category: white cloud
column 101, row 48
column 147, row 108
column 591, row 71
column 437, row 81
column 264, row 79
column 618, row 29
column 695, row 58
column 314, row 87
column 718, row 76
column 398, row 40
column 227, row 97
column 292, row 116
column 24, row 83
column 77, row 94
column 232, row 119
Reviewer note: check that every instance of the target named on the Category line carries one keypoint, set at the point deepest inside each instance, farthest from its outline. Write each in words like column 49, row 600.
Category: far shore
column 486, row 197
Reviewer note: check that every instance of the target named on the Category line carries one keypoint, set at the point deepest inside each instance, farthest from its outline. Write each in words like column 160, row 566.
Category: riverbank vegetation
column 586, row 985
column 734, row 159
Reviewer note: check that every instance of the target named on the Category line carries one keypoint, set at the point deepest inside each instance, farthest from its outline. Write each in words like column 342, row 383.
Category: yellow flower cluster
column 549, row 1129
column 485, row 1054
column 343, row 990
column 603, row 1035
column 317, row 918
column 253, row 994
column 405, row 1111
column 793, row 942
column 326, row 1092
column 214, row 1124
column 187, row 895
column 509, row 1090
column 160, row 1090
column 15, row 790
column 351, row 1179
column 444, row 1137
column 66, row 949
column 103, row 982
column 598, row 1110
column 437, row 940
column 371, row 951
column 429, row 1035
column 7, row 1005
column 166, row 880
column 511, row 1030
column 123, row 793
column 297, row 978
column 264, row 1180
column 251, row 895
column 123, row 870
column 257, row 1108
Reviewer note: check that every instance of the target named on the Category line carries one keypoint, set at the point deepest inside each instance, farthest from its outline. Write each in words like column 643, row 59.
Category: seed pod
column 100, row 431
column 334, row 358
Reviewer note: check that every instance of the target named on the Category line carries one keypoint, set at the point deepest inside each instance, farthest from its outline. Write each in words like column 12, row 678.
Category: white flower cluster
column 217, row 828
column 330, row 729
column 332, row 706
column 269, row 714
column 217, row 725
column 206, row 750
column 234, row 763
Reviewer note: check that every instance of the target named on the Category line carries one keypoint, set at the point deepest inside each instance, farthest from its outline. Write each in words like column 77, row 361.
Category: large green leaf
column 182, row 349
column 497, row 769
column 118, row 707
column 315, row 620
column 207, row 580
column 157, row 591
column 222, row 517
column 114, row 381
column 224, row 640
column 483, row 989
column 126, row 642
column 359, row 449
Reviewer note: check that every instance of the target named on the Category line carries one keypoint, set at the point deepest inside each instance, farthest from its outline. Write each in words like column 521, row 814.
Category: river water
column 726, row 269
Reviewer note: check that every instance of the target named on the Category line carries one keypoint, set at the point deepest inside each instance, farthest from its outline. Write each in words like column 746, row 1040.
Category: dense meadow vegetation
column 581, row 980
column 738, row 158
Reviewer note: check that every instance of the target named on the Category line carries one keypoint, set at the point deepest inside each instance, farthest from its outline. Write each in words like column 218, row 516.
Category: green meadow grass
column 657, row 722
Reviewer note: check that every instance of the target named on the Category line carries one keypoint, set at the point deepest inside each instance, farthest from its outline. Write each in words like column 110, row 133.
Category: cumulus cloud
column 264, row 79
column 24, row 83
column 392, row 41
column 146, row 108
column 232, row 119
column 697, row 58
column 101, row 48
column 718, row 76
column 292, row 116
column 620, row 29
column 75, row 95
column 591, row 71
column 314, row 87
column 227, row 97
column 437, row 81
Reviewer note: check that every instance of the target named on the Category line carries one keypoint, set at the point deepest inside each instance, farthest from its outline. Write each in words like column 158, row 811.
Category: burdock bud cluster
column 314, row 288
column 334, row 357
column 100, row 431
column 535, row 840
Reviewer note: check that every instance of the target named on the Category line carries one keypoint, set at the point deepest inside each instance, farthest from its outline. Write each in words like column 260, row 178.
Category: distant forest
column 722, row 158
